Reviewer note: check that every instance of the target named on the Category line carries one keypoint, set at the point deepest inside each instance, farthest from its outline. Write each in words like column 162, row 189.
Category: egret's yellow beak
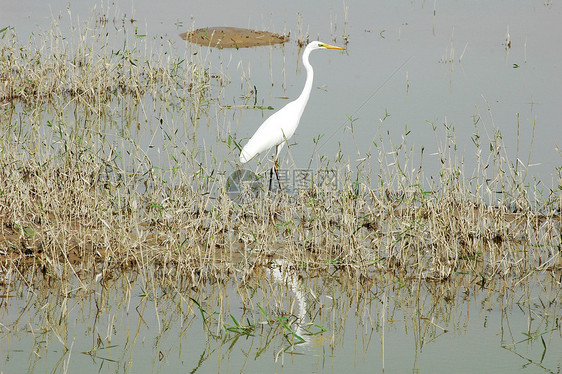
column 328, row 46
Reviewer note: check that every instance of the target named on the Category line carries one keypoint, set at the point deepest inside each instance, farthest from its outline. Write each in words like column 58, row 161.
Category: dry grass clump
column 81, row 212
column 95, row 64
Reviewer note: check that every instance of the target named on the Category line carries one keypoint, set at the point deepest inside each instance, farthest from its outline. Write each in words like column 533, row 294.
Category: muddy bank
column 233, row 37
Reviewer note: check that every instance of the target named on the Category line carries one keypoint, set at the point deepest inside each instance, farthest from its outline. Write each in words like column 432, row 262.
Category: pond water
column 481, row 67
column 129, row 325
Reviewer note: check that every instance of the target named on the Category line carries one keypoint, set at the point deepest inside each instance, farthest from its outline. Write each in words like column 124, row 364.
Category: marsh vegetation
column 109, row 203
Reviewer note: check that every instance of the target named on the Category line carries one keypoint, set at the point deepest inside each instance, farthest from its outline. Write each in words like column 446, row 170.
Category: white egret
column 281, row 126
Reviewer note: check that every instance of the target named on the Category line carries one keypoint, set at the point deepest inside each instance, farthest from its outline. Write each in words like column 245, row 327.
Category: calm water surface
column 126, row 325
column 409, row 63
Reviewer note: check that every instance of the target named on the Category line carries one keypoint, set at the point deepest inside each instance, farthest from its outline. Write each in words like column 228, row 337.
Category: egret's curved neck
column 309, row 77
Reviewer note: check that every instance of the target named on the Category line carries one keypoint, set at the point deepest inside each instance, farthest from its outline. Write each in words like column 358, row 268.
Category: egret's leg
column 276, row 166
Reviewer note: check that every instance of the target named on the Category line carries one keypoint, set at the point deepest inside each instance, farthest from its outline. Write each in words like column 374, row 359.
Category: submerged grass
column 178, row 323
column 81, row 195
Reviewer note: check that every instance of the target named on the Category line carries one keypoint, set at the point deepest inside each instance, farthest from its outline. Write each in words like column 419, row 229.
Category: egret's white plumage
column 281, row 126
